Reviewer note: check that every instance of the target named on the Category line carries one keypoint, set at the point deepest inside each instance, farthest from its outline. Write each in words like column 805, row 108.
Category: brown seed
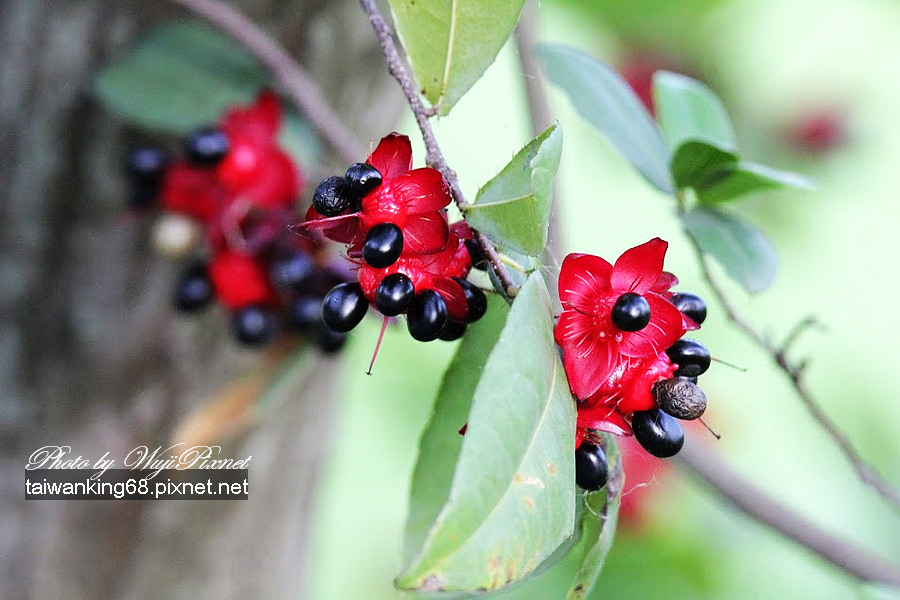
column 680, row 398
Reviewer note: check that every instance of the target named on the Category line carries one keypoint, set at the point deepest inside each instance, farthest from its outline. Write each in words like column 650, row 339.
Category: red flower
column 240, row 280
column 596, row 352
column 433, row 271
column 411, row 199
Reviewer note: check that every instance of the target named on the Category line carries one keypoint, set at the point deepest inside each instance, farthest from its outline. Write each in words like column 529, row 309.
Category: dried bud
column 680, row 398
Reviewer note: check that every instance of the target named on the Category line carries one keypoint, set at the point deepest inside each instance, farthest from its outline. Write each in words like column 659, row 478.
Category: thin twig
column 857, row 561
column 541, row 118
column 434, row 157
column 794, row 373
column 295, row 82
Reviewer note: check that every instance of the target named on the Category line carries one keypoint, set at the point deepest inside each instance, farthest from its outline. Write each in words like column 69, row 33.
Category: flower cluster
column 240, row 187
column 410, row 259
column 631, row 372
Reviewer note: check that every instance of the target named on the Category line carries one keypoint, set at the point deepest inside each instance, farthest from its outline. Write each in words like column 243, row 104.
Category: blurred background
column 92, row 355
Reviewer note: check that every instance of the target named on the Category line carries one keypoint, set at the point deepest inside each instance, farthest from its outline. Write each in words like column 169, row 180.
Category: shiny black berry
column 478, row 260
column 660, row 434
column 362, row 178
column 394, row 294
column 426, row 316
column 255, row 325
column 329, row 340
column 194, row 289
column 146, row 164
column 591, row 470
column 691, row 356
column 305, row 312
column 631, row 312
column 292, row 271
column 344, row 307
column 453, row 331
column 383, row 245
column 331, row 198
column 206, row 147
column 692, row 305
column 476, row 301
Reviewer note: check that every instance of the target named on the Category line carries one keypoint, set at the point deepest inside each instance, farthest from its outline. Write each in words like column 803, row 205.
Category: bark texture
column 91, row 355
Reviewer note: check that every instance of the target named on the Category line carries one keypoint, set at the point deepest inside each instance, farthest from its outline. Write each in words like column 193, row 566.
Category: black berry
column 146, row 164
column 691, row 356
column 478, row 260
column 394, row 294
column 331, row 198
column 292, row 271
column 329, row 340
column 453, row 331
column 305, row 312
column 361, row 179
column 692, row 305
column 383, row 245
column 143, row 194
column 344, row 307
column 206, row 147
column 426, row 316
column 194, row 289
column 680, row 397
column 660, row 434
column 591, row 470
column 631, row 312
column 476, row 301
column 254, row 325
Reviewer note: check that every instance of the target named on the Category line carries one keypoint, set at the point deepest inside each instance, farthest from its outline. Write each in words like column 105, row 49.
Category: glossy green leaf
column 598, row 524
column 451, row 43
column 688, row 110
column 694, row 160
column 511, row 502
column 745, row 252
column 606, row 101
column 513, row 208
column 441, row 442
column 729, row 181
column 179, row 77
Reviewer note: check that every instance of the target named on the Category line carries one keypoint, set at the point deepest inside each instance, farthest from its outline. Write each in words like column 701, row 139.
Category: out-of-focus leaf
column 512, row 499
column 451, row 43
column 688, row 110
column 729, row 181
column 298, row 138
column 745, row 252
column 598, row 525
column 606, row 101
column 182, row 75
column 513, row 208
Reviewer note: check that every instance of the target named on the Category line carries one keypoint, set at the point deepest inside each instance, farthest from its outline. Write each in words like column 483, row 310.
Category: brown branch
column 294, row 80
column 434, row 157
column 794, row 372
column 855, row 560
column 541, row 118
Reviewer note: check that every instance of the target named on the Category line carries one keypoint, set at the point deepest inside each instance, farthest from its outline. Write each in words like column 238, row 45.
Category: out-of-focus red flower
column 240, row 280
column 433, row 271
column 596, row 353
column 411, row 199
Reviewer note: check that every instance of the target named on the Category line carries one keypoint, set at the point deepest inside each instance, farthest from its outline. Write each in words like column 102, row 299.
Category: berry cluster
column 236, row 182
column 410, row 259
column 628, row 366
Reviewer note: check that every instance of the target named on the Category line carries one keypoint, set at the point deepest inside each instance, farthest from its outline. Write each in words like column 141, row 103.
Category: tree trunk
column 92, row 355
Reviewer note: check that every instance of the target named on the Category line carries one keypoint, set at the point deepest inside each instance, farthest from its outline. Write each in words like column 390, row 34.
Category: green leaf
column 184, row 74
column 451, row 43
column 728, row 181
column 511, row 502
column 606, row 101
column 688, row 110
column 695, row 160
column 513, row 208
column 298, row 138
column 598, row 525
column 745, row 252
